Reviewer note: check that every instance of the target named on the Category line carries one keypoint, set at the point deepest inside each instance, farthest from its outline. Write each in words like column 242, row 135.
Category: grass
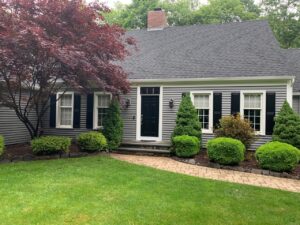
column 101, row 190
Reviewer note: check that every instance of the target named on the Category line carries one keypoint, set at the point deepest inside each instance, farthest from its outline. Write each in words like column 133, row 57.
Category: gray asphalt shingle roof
column 204, row 51
column 293, row 56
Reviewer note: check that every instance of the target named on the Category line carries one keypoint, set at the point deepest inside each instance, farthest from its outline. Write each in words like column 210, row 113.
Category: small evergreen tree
column 113, row 125
column 187, row 121
column 287, row 126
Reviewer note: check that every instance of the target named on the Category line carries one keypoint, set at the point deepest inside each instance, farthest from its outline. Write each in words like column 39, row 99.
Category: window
column 65, row 110
column 253, row 107
column 203, row 104
column 101, row 103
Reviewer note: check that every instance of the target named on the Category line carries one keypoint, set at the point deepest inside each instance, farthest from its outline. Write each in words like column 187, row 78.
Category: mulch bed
column 22, row 152
column 250, row 165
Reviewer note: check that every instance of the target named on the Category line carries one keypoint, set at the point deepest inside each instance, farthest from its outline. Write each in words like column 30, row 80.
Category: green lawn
column 101, row 190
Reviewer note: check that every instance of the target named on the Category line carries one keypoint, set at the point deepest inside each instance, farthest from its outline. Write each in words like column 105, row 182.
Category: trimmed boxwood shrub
column 186, row 146
column 92, row 141
column 50, row 144
column 1, row 145
column 277, row 156
column 226, row 151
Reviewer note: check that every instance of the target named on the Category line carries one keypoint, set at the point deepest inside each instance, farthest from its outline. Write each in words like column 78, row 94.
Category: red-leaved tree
column 51, row 45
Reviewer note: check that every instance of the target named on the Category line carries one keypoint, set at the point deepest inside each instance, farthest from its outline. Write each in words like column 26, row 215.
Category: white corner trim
column 262, row 111
column 138, row 113
column 160, row 113
column 58, row 114
column 95, row 108
column 289, row 92
column 211, row 103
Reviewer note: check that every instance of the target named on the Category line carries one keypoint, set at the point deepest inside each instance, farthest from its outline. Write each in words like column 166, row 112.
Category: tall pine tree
column 287, row 126
column 187, row 122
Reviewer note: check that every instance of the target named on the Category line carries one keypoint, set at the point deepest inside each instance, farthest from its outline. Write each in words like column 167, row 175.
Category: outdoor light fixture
column 171, row 103
column 127, row 103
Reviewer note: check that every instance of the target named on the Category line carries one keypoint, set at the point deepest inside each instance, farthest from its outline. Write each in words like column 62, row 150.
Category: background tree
column 224, row 11
column 284, row 18
column 187, row 121
column 287, row 126
column 49, row 45
column 113, row 125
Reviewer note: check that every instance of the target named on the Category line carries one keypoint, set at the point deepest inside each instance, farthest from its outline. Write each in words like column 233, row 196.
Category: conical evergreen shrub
column 113, row 125
column 287, row 126
column 187, row 121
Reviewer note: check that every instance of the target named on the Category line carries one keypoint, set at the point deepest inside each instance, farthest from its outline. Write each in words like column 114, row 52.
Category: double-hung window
column 101, row 105
column 203, row 104
column 253, row 109
column 65, row 108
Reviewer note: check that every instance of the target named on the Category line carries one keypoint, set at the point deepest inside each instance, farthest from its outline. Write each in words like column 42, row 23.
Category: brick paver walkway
column 169, row 164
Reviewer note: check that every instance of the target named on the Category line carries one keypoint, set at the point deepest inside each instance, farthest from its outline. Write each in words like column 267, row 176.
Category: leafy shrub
column 227, row 151
column 237, row 128
column 50, row 144
column 187, row 121
column 277, row 156
column 186, row 146
column 1, row 145
column 287, row 126
column 113, row 126
column 92, row 141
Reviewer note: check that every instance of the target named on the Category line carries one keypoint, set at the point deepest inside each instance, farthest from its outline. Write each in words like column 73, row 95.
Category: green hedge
column 226, row 151
column 1, row 145
column 50, row 144
column 186, row 146
column 277, row 156
column 92, row 141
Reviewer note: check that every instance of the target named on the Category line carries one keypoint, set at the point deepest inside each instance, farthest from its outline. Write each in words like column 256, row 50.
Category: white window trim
column 263, row 108
column 95, row 110
column 58, row 114
column 138, row 116
column 211, row 102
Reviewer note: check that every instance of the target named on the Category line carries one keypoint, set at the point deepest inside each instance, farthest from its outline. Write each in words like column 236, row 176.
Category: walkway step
column 144, row 150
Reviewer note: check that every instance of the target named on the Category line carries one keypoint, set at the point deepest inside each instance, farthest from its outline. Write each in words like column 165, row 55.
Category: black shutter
column 89, row 111
column 270, row 112
column 217, row 108
column 76, row 117
column 52, row 111
column 235, row 103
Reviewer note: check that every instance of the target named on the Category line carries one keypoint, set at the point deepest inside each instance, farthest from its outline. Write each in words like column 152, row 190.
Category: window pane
column 66, row 116
column 203, row 115
column 253, row 116
column 66, row 100
column 101, row 114
column 252, row 101
column 103, row 101
column 201, row 101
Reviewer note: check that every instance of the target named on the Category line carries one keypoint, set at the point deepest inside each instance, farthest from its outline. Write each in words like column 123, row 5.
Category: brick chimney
column 157, row 19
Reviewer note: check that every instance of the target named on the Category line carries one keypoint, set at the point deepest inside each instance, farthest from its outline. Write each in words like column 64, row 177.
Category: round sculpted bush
column 50, row 144
column 226, row 151
column 1, row 145
column 277, row 156
column 186, row 146
column 92, row 141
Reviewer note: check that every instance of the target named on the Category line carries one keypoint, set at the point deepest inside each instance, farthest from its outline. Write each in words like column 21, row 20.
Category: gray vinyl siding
column 296, row 104
column 128, row 116
column 175, row 93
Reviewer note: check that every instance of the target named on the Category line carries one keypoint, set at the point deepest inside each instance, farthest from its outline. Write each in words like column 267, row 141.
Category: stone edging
column 48, row 157
column 240, row 169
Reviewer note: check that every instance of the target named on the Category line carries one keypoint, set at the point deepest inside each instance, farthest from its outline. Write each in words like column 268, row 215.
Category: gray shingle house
column 227, row 69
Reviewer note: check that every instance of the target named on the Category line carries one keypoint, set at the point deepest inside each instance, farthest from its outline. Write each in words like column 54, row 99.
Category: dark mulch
column 20, row 152
column 249, row 165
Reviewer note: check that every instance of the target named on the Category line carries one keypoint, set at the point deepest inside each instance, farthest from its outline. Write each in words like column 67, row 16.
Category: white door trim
column 138, row 117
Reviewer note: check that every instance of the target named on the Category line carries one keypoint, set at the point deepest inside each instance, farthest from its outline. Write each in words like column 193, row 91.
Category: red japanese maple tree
column 51, row 45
